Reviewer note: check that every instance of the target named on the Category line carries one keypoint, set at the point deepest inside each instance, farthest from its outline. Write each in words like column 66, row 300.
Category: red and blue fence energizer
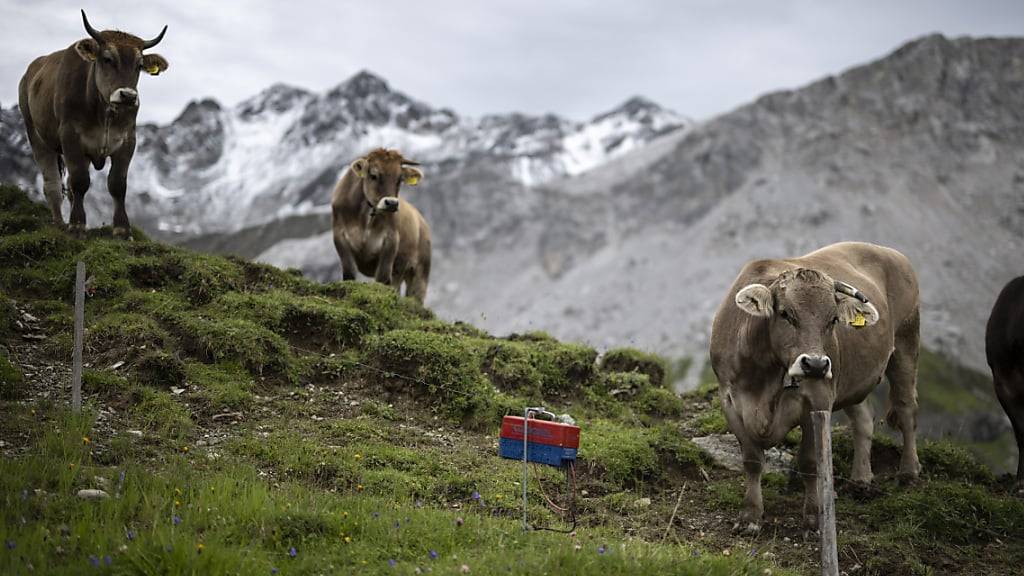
column 551, row 443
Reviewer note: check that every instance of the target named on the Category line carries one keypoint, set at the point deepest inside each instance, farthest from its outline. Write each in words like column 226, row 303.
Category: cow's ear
column 358, row 167
column 853, row 312
column 87, row 49
column 756, row 300
column 154, row 64
column 411, row 176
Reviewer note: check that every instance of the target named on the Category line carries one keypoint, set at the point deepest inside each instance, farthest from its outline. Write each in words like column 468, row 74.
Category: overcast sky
column 572, row 57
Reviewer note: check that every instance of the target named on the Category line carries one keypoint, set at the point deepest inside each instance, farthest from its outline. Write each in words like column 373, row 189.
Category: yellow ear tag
column 858, row 321
column 153, row 70
column 412, row 180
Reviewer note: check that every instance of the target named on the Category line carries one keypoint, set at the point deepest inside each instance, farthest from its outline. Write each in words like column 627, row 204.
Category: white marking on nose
column 122, row 94
column 388, row 203
column 796, row 368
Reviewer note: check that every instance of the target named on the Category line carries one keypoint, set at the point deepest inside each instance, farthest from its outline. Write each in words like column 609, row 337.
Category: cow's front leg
column 386, row 261
column 344, row 249
column 78, row 180
column 117, row 184
column 807, row 465
column 753, row 504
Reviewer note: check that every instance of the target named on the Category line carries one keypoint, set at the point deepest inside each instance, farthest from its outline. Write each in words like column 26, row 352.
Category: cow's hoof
column 747, row 528
column 122, row 233
column 860, row 490
column 907, row 478
column 811, row 522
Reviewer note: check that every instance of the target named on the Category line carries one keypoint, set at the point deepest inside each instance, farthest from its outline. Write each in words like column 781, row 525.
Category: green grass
column 361, row 429
column 633, row 360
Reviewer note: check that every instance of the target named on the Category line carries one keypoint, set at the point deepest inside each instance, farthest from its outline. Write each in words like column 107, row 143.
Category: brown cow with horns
column 817, row 332
column 79, row 106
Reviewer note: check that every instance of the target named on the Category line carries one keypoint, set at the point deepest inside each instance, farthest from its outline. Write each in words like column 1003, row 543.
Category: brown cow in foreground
column 377, row 232
column 79, row 106
column 817, row 332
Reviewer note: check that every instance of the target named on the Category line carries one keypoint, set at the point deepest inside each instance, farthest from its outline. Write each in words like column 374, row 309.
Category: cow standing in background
column 79, row 106
column 1004, row 349
column 375, row 231
column 817, row 332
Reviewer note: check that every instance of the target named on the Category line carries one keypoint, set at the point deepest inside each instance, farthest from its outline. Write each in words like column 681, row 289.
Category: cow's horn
column 88, row 28
column 154, row 41
column 844, row 288
column 409, row 162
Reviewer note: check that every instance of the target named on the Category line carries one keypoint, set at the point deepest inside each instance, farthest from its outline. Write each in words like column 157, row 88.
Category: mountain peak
column 277, row 97
column 635, row 107
column 364, row 83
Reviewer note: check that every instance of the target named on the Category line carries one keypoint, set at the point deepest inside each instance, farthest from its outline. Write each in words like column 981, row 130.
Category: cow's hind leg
column 902, row 374
column 863, row 429
column 1010, row 391
column 47, row 160
column 416, row 285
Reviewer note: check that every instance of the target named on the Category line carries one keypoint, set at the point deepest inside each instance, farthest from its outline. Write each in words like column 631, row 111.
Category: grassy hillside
column 245, row 420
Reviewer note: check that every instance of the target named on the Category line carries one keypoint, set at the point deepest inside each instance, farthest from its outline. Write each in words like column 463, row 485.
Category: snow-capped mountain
column 625, row 229
column 279, row 153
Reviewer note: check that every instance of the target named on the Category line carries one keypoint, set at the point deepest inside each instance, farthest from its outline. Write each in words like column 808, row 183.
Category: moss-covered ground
column 245, row 420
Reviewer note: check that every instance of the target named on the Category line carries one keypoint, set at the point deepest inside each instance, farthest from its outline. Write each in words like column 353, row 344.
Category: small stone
column 642, row 503
column 135, row 433
column 92, row 494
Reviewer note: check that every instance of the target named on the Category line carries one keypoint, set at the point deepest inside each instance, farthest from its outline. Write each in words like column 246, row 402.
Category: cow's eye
column 374, row 177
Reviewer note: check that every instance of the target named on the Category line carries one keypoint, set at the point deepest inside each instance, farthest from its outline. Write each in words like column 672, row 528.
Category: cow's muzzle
column 125, row 97
column 388, row 204
column 811, row 366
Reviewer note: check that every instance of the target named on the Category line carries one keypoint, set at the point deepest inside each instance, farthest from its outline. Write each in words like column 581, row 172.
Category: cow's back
column 883, row 274
column 37, row 93
column 1004, row 334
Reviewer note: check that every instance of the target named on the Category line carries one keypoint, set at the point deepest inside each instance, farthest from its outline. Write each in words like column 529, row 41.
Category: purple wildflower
column 475, row 495
column 273, row 570
column 601, row 549
column 94, row 561
column 10, row 544
column 108, row 560
column 176, row 519
column 753, row 552
column 168, row 548
column 130, row 534
column 392, row 563
column 293, row 552
column 376, row 514
column 433, row 554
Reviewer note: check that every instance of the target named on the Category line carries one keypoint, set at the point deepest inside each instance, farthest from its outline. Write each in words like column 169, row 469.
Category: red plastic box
column 541, row 432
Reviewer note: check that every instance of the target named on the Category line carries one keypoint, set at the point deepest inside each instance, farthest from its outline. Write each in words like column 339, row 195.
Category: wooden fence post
column 822, row 421
column 76, row 365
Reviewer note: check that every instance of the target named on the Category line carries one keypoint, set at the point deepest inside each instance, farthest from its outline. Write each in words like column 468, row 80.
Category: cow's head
column 804, row 309
column 381, row 174
column 117, row 59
